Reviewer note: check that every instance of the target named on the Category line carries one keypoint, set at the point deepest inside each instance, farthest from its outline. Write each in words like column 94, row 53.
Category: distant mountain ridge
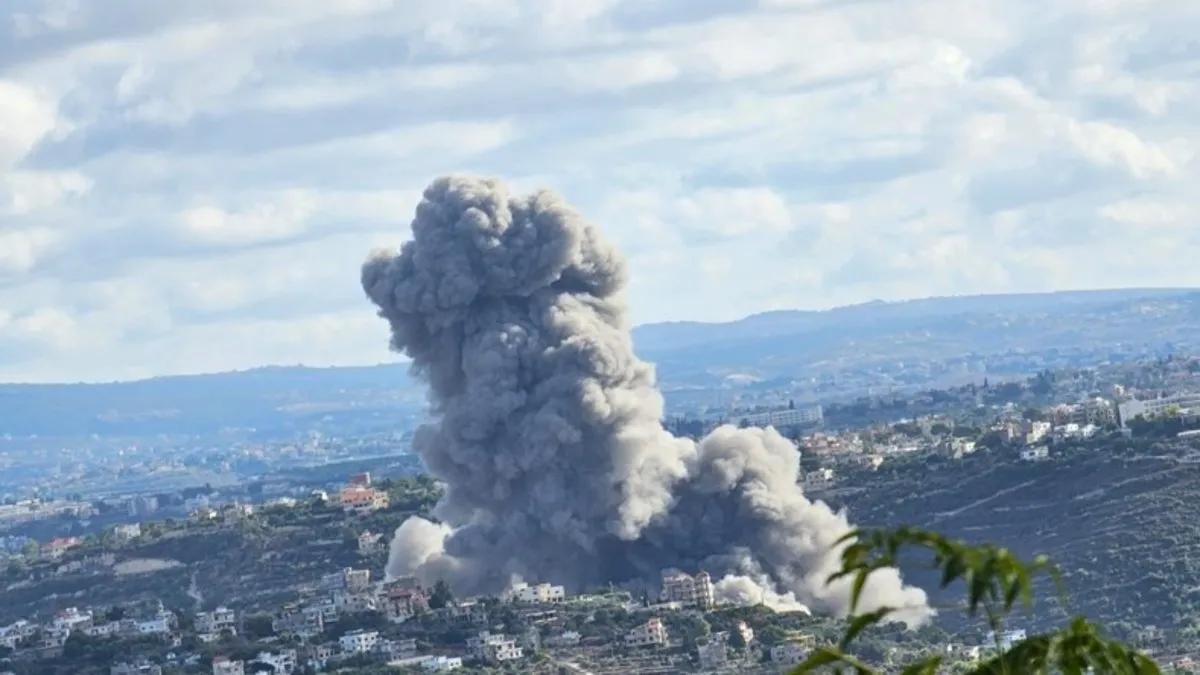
column 675, row 334
column 778, row 344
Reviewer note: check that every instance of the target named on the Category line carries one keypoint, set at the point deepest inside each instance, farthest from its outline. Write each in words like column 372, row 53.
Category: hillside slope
column 1122, row 527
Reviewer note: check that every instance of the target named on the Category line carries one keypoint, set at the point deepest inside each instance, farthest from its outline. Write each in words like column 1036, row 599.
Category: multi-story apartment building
column 792, row 417
column 359, row 642
column 538, row 593
column 687, row 590
column 494, row 648
column 220, row 620
column 1185, row 401
column 650, row 634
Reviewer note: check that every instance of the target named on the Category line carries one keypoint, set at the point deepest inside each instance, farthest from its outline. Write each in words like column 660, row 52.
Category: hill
column 901, row 343
column 1089, row 325
column 1122, row 523
column 270, row 400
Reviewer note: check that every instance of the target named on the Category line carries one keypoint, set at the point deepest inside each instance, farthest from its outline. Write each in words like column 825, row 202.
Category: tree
column 258, row 627
column 995, row 580
column 441, row 595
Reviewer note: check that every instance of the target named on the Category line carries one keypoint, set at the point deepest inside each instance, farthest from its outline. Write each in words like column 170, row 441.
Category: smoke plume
column 548, row 432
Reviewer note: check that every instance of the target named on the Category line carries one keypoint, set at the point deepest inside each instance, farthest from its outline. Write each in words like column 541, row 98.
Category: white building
column 72, row 619
column 359, row 642
column 1128, row 410
column 1035, row 454
column 538, row 594
column 1007, row 639
column 282, row 662
column 13, row 634
column 494, row 648
column 784, row 418
column 650, row 634
column 441, row 664
column 161, row 623
column 127, row 532
column 1037, row 431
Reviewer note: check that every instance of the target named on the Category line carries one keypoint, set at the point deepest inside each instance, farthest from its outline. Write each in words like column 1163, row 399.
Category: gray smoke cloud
column 548, row 432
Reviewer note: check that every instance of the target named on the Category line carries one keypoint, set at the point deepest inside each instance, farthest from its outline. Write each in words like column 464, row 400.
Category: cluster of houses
column 48, row 638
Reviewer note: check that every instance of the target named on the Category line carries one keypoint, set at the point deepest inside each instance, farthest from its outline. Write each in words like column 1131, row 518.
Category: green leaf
column 860, row 623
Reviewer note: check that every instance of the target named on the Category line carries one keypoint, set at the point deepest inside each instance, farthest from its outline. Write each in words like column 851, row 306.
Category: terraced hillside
column 1122, row 525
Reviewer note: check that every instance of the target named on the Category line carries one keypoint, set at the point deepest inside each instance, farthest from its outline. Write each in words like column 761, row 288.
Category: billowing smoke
column 548, row 434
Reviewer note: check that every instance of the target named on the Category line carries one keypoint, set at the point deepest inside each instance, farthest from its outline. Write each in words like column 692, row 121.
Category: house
column 125, row 533
column 223, row 665
column 319, row 656
column 221, row 620
column 1035, row 454
column 203, row 514
column 236, row 511
column 541, row 594
column 370, row 543
column 819, row 477
column 54, row 638
column 159, row 624
column 282, row 662
column 713, row 651
column 494, row 648
column 360, row 499
column 1036, row 431
column 14, row 634
column 348, row 579
column 302, row 622
column 106, row 629
column 440, row 664
column 401, row 604
column 359, row 642
column 71, row 619
column 650, row 634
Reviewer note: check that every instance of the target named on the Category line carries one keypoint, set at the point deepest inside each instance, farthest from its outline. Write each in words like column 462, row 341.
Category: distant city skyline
column 191, row 187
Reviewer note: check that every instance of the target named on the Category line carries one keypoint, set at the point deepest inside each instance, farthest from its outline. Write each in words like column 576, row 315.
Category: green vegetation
column 995, row 580
column 246, row 562
column 1119, row 516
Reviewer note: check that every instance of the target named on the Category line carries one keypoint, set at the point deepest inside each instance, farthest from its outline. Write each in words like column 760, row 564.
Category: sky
column 192, row 186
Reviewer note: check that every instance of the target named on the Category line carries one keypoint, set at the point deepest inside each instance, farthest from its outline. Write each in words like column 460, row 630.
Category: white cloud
column 191, row 185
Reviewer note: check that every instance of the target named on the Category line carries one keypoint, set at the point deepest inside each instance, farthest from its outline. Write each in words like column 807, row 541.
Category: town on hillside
column 288, row 577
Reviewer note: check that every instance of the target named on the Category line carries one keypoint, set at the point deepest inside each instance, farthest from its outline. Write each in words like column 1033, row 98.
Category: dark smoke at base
column 549, row 440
